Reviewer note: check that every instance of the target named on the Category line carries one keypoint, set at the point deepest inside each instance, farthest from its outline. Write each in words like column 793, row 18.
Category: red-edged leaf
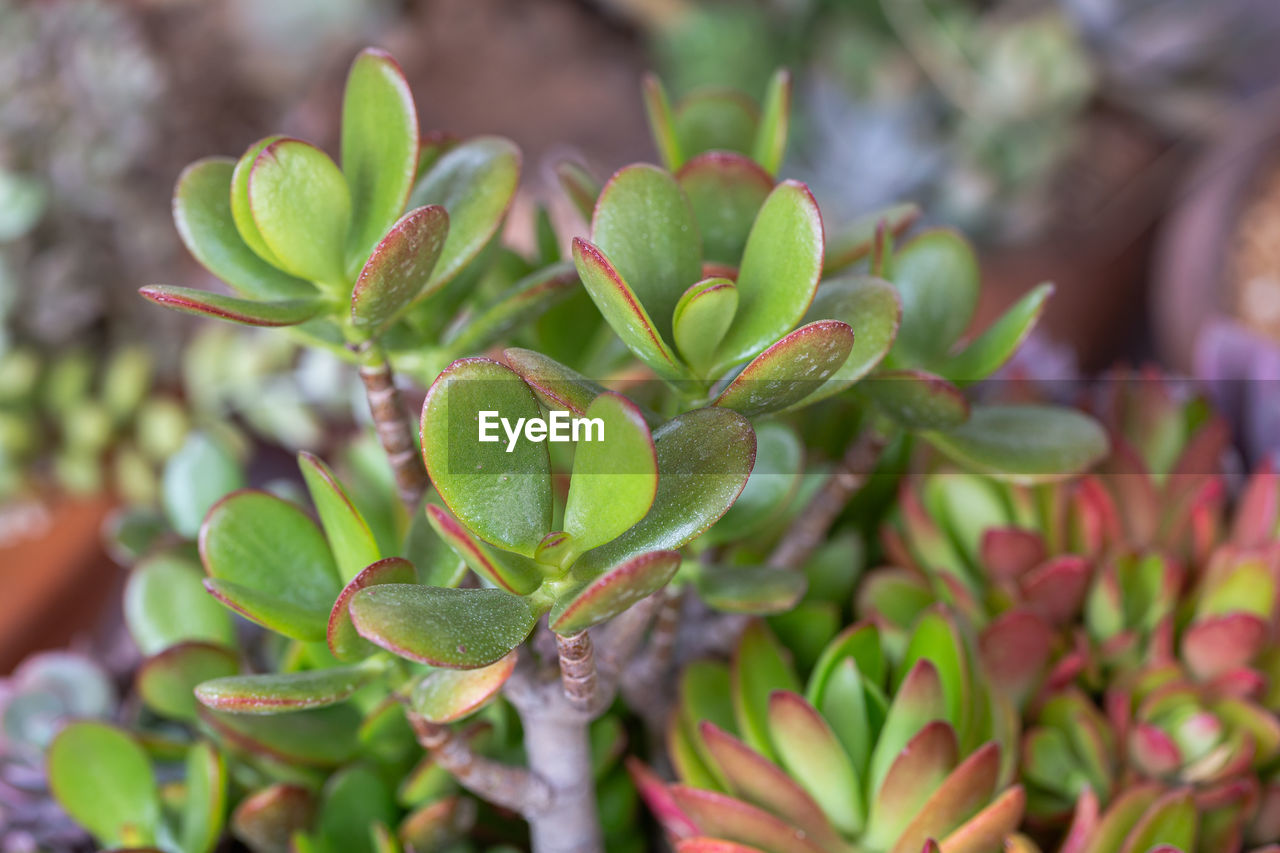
column 1008, row 553
column 448, row 695
column 345, row 643
column 713, row 845
column 595, row 600
column 725, row 191
column 988, row 829
column 853, row 241
column 1220, row 644
column 919, row 771
column 1056, row 590
column 966, row 790
column 267, row 820
column 282, row 692
column 246, row 312
column 504, row 569
column 657, row 797
column 1015, row 652
column 731, row 819
column 789, row 370
column 399, row 270
column 166, row 681
column 917, row 399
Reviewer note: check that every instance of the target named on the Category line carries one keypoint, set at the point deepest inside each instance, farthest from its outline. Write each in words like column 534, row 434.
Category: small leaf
column 318, row 737
column 268, row 819
column 760, row 667
column 240, row 211
column 919, row 701
column 268, row 556
column 202, row 213
column 556, row 386
column 454, row 628
column 302, row 208
column 780, row 268
column 615, row 480
column 195, row 478
column 808, row 748
column 771, row 138
column 990, row 350
column 937, row 277
column 644, row 227
column 205, row 802
column 917, row 772
column 733, row 820
column 349, row 536
column 990, row 827
column 704, row 459
column 916, row 399
column 344, row 642
column 725, row 191
column 711, row 119
column 870, row 307
column 774, row 480
column 605, row 596
column 282, row 692
column 165, row 603
column 523, row 302
column 1025, row 444
column 511, row 572
column 854, row 241
column 789, row 370
column 379, row 147
column 702, row 317
column 399, row 269
column 354, row 800
column 504, row 497
column 579, row 185
column 966, row 790
column 246, row 312
column 657, row 108
column 449, row 695
column 756, row 590
column 622, row 309
column 475, row 182
column 103, row 779
column 166, row 681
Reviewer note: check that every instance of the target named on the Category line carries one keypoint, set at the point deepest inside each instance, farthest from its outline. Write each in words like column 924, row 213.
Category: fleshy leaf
column 774, row 480
column 966, row 790
column 556, row 386
column 454, row 628
column 733, row 820
column 854, row 240
column 713, row 118
column 103, row 779
column 195, row 478
column 919, row 770
column 166, row 681
column 657, row 108
column 505, row 498
column 812, row 754
column 344, row 642
column 916, row 399
column 315, row 737
column 354, row 802
column 165, row 603
column 704, row 459
column 780, row 268
column 789, row 370
column 302, row 209
column 725, row 191
column 202, row 213
column 399, row 269
column 702, row 317
column 760, row 667
column 919, row 701
column 771, row 137
column 596, row 599
column 205, row 804
column 475, row 182
column 274, row 612
column 871, row 308
column 989, row 351
column 511, row 572
column 282, row 692
column 379, row 148
column 757, row 590
column 241, row 213
column 614, row 481
column 525, row 300
column 233, row 309
column 348, row 534
column 1026, row 444
column 267, row 819
column 449, row 695
column 936, row 274
column 988, row 829
column 579, row 185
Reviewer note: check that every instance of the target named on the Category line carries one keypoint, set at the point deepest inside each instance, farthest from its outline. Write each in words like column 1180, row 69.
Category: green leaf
column 241, row 213
column 870, row 307
column 702, row 317
column 166, row 681
column 505, row 498
column 816, row 759
column 355, row 799
column 103, row 779
column 449, row 695
column 282, row 692
column 511, row 572
column 779, row 273
column 344, row 642
column 754, row 829
column 622, row 310
column 760, row 667
column 919, row 701
column 556, row 386
column 657, row 109
column 246, row 312
column 615, row 480
column 937, row 278
column 165, row 603
column 715, row 119
column 771, row 137
column 204, row 806
column 302, row 208
column 854, row 241
column 202, row 213
column 318, row 737
column 774, row 480
column 917, row 773
column 194, row 479
column 725, row 191
column 757, row 590
column 645, row 228
column 270, row 558
column 454, row 628
column 579, row 185
column 704, row 459
column 349, row 536
column 399, row 269
column 789, row 370
column 1025, row 444
column 475, row 182
column 989, row 351
column 379, row 148
column 916, row 399
column 596, row 599
column 268, row 819
column 523, row 302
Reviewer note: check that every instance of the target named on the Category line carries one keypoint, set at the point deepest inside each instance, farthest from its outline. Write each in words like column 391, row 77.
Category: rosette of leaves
column 871, row 753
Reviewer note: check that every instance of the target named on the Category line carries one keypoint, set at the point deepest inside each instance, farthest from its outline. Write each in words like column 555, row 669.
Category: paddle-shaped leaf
column 937, row 278
column 246, row 312
column 789, row 370
column 166, row 681
column 579, row 185
column 657, row 107
column 165, row 603
column 355, row 801
column 774, row 480
column 1025, row 444
column 515, row 574
column 594, row 600
column 989, row 351
column 202, row 213
column 704, row 459
column 349, row 536
column 725, row 191
column 379, row 148
column 775, row 119
column 760, row 666
column 455, row 628
column 399, row 269
column 919, row 770
column 711, row 119
column 702, row 317
column 448, row 695
column 316, row 737
column 966, row 790
column 615, row 479
column 344, row 642
column 871, row 308
column 556, row 386
column 302, row 209
column 524, row 301
column 814, row 757
column 240, row 210
column 103, row 779
column 505, row 498
column 750, row 589
column 268, row 556
column 195, row 478
column 733, row 820
column 917, row 399
column 205, row 804
column 645, row 229
column 268, row 819
column 475, row 182
column 918, row 701
column 853, row 241
column 780, row 268
column 281, row 692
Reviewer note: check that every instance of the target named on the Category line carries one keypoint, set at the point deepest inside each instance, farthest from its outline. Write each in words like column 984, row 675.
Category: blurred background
column 1125, row 149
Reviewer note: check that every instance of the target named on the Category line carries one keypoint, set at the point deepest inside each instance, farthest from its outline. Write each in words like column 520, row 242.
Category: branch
column 501, row 784
column 646, row 686
column 394, row 430
column 578, row 671
column 811, row 526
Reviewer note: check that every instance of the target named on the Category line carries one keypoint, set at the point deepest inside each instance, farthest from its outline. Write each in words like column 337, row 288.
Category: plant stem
column 512, row 787
column 559, row 748
column 578, row 670
column 394, row 430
